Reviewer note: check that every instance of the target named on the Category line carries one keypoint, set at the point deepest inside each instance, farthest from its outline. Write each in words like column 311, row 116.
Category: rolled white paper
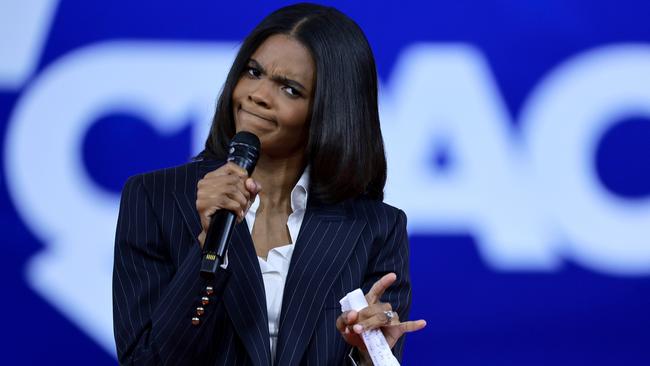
column 374, row 339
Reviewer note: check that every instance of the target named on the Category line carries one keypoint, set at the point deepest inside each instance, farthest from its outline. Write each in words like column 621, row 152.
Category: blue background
column 475, row 315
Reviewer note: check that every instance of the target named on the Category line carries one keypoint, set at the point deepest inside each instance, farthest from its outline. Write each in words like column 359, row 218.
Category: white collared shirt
column 276, row 266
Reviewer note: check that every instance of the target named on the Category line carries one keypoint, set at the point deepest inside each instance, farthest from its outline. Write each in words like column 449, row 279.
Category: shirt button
column 196, row 321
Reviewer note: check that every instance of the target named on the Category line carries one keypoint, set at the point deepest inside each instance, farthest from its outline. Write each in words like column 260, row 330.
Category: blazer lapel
column 186, row 199
column 326, row 240
column 244, row 297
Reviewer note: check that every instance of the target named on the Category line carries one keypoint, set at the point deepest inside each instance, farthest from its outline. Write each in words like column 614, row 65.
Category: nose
column 261, row 94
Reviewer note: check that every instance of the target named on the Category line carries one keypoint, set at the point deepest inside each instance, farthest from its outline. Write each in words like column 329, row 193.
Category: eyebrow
column 278, row 78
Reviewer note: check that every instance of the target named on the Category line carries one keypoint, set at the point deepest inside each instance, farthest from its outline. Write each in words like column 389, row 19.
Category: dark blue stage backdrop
column 518, row 138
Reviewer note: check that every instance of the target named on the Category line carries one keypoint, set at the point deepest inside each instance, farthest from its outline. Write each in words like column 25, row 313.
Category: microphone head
column 244, row 150
column 246, row 138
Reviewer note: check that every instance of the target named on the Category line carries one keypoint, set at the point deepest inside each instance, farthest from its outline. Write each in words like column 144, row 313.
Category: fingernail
column 347, row 331
column 358, row 328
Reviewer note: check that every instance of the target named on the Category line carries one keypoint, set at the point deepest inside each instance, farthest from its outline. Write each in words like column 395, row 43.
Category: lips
column 260, row 116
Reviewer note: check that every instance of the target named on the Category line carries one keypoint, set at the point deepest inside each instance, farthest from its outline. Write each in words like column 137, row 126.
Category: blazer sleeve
column 393, row 256
column 154, row 299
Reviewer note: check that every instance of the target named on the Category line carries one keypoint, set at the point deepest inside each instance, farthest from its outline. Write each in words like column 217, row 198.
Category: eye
column 291, row 91
column 253, row 72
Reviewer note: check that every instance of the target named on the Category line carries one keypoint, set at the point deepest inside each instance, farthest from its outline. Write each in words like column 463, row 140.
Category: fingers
column 346, row 319
column 236, row 170
column 229, row 168
column 344, row 323
column 240, row 195
column 226, row 192
column 379, row 287
column 394, row 332
column 412, row 326
column 252, row 187
column 374, row 316
column 226, row 188
column 379, row 320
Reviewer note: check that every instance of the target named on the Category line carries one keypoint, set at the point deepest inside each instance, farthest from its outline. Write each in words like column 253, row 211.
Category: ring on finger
column 389, row 316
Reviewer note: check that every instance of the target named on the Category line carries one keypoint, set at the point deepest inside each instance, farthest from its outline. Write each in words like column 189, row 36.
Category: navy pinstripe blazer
column 157, row 287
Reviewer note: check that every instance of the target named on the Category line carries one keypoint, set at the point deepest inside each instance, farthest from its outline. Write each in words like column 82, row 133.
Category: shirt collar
column 299, row 194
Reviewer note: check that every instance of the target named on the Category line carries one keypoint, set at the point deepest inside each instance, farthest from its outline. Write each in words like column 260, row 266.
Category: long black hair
column 345, row 149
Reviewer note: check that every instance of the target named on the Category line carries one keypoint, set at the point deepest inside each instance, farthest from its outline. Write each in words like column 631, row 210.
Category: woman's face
column 272, row 99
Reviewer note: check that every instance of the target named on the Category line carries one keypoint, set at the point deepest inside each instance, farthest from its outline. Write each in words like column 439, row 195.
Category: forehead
column 282, row 55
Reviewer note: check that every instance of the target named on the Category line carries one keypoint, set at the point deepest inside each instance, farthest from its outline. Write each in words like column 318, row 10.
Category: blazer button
column 196, row 321
column 200, row 311
column 205, row 300
column 209, row 290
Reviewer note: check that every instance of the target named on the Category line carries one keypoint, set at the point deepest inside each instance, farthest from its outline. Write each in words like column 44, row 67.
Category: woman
column 311, row 228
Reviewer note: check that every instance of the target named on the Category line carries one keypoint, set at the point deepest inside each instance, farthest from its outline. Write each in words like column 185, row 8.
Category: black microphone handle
column 243, row 151
column 216, row 242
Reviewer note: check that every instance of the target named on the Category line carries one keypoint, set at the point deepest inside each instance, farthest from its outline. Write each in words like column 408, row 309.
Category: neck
column 278, row 177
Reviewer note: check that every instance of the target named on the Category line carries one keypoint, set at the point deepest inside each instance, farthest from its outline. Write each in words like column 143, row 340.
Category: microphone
column 244, row 150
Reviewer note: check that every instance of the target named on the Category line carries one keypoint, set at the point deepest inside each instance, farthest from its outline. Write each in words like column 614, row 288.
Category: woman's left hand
column 352, row 323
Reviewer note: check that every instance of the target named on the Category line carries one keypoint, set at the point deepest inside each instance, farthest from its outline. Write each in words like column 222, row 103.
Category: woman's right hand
column 225, row 188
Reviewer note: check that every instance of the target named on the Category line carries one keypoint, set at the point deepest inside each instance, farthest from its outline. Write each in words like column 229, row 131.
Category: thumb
column 253, row 188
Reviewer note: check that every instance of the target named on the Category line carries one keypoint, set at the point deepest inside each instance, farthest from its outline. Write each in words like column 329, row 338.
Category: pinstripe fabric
column 157, row 287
